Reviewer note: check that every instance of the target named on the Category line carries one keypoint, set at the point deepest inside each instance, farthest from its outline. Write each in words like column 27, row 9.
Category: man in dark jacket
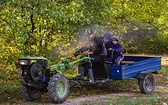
column 93, row 48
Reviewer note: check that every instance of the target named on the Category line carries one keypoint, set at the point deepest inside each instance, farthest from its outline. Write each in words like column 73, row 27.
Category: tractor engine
column 37, row 78
column 33, row 69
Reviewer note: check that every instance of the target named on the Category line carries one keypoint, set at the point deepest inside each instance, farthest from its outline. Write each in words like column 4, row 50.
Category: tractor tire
column 147, row 85
column 58, row 88
column 30, row 93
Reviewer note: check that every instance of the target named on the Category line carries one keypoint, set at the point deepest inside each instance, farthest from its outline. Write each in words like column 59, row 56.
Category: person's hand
column 88, row 53
column 110, row 49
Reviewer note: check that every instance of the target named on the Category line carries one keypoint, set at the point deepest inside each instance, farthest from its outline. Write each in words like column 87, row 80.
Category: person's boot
column 91, row 77
column 80, row 73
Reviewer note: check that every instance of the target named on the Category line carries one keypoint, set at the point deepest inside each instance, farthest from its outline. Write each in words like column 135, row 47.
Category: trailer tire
column 147, row 85
column 30, row 93
column 58, row 88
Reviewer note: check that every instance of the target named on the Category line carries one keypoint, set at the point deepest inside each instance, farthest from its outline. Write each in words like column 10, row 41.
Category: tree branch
column 32, row 23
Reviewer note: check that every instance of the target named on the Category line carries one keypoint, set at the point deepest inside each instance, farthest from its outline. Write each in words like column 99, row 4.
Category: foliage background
column 53, row 28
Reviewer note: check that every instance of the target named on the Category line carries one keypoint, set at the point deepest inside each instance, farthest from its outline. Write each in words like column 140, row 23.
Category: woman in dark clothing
column 107, row 41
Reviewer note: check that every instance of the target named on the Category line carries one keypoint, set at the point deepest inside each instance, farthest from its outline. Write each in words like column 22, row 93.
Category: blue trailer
column 141, row 65
column 142, row 68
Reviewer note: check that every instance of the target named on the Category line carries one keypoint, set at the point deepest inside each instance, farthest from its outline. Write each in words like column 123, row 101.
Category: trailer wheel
column 147, row 84
column 30, row 93
column 58, row 88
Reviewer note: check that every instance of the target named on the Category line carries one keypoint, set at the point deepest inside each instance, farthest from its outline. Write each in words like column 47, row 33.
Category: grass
column 133, row 101
column 164, row 69
column 10, row 92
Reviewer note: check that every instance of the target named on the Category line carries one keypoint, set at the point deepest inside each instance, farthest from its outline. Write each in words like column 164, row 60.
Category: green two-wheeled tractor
column 37, row 78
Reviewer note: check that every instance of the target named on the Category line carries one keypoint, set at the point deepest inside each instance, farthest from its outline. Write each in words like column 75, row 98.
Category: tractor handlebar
column 65, row 64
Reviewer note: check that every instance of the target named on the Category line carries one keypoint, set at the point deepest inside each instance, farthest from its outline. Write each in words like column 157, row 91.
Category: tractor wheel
column 147, row 85
column 30, row 93
column 58, row 88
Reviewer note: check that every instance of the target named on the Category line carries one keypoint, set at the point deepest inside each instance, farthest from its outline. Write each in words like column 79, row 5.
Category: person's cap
column 115, row 38
column 88, row 32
